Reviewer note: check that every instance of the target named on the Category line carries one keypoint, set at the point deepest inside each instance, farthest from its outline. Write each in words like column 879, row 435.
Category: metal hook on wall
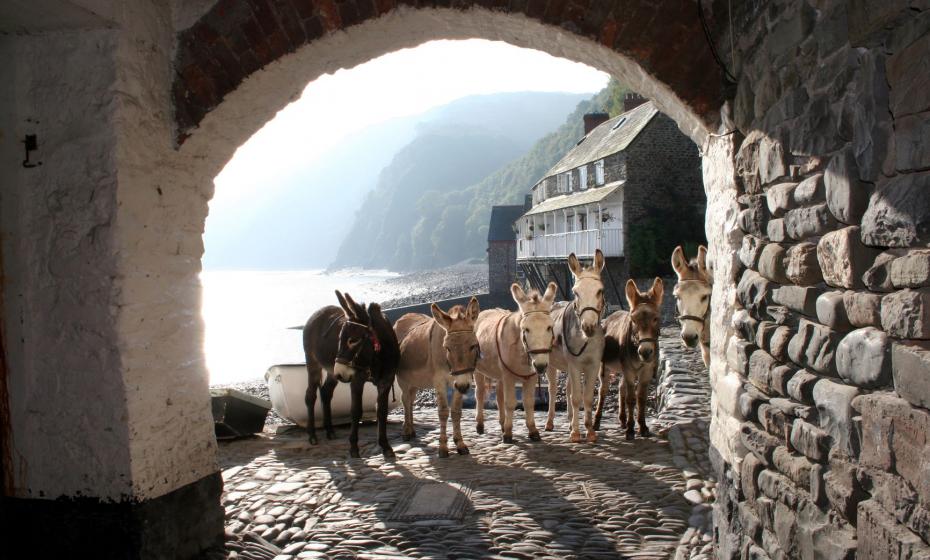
column 32, row 144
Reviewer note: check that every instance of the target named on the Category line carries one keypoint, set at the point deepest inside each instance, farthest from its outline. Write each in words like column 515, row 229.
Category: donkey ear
column 357, row 310
column 518, row 294
column 632, row 293
column 344, row 304
column 549, row 296
column 473, row 309
column 440, row 316
column 657, row 291
column 599, row 260
column 679, row 263
column 702, row 261
column 574, row 265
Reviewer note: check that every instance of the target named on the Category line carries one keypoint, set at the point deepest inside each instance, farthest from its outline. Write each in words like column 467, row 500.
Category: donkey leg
column 501, row 405
column 602, row 389
column 384, row 393
column 591, row 433
column 509, row 399
column 457, row 423
column 641, row 389
column 575, row 404
column 314, row 376
column 705, row 353
column 630, row 398
column 481, row 393
column 358, row 385
column 621, row 401
column 326, row 394
column 442, row 404
column 529, row 408
column 552, row 376
column 407, row 396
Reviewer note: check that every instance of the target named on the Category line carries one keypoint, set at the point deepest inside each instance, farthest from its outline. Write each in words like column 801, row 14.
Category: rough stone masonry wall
column 821, row 421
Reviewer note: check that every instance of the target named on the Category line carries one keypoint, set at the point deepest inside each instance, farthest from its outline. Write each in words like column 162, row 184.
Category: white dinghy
column 287, row 386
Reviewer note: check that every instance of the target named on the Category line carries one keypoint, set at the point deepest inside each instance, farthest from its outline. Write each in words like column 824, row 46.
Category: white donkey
column 579, row 346
column 692, row 293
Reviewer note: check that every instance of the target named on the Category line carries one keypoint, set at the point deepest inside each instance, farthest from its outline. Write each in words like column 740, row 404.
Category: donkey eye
column 704, row 298
column 600, row 293
column 549, row 329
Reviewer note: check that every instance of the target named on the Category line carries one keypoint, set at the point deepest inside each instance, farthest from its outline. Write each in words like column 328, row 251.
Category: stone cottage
column 502, row 248
column 631, row 187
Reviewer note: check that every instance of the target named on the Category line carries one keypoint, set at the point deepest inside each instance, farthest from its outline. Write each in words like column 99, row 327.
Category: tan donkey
column 436, row 352
column 692, row 293
column 632, row 350
column 579, row 346
column 515, row 349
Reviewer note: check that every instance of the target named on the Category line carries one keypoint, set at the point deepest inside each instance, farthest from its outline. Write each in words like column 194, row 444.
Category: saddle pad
column 433, row 500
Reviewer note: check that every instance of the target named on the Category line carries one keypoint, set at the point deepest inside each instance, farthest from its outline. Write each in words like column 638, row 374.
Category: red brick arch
column 236, row 38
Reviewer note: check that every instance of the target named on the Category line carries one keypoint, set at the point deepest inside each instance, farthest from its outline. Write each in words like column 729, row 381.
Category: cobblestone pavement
column 615, row 499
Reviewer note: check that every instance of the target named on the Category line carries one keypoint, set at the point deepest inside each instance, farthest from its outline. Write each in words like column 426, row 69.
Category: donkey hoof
column 479, row 427
column 644, row 432
column 630, row 435
column 507, row 439
column 443, row 452
column 408, row 437
column 313, row 440
column 592, row 436
column 463, row 450
column 389, row 453
column 354, row 453
column 534, row 436
column 576, row 437
column 550, row 426
column 597, row 425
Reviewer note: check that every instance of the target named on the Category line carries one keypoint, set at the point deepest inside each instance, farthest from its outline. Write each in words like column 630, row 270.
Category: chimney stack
column 593, row 120
column 632, row 100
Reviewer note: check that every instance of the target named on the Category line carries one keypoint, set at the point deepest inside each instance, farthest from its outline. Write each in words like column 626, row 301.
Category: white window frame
column 583, row 177
column 571, row 181
column 599, row 172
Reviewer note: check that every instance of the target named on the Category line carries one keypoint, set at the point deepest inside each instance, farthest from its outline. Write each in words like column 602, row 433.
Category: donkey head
column 358, row 343
column 536, row 323
column 460, row 343
column 588, row 291
column 692, row 293
column 644, row 317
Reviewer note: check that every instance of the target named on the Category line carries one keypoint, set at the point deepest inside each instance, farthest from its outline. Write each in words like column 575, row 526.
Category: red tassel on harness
column 375, row 342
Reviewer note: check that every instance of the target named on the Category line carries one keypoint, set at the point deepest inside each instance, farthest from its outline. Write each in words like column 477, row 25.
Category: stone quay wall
column 820, row 420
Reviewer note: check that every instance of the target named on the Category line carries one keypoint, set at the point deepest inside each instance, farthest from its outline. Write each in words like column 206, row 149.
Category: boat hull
column 287, row 387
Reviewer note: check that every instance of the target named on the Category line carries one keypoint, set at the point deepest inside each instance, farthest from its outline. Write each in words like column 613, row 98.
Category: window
column 571, row 181
column 583, row 222
column 599, row 172
column 583, row 176
column 561, row 183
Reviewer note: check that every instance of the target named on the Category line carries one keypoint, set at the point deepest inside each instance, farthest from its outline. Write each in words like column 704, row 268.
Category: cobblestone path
column 287, row 499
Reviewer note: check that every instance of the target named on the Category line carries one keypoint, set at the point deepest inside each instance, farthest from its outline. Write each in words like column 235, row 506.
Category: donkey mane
column 625, row 335
column 457, row 312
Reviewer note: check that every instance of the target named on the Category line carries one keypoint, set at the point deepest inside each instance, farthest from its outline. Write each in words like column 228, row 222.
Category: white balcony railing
column 582, row 243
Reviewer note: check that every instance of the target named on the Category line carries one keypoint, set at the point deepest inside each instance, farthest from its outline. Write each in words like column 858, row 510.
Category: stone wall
column 820, row 423
column 502, row 266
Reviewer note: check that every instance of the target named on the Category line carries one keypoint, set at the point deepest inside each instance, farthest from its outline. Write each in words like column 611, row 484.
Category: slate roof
column 502, row 219
column 590, row 196
column 606, row 139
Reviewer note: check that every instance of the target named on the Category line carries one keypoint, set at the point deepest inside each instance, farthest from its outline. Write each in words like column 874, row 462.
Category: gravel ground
column 433, row 285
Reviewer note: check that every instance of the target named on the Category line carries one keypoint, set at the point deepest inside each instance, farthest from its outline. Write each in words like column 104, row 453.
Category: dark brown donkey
column 631, row 348
column 353, row 345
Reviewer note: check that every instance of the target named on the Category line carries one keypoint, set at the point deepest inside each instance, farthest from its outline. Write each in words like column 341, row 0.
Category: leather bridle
column 452, row 372
column 352, row 362
column 500, row 355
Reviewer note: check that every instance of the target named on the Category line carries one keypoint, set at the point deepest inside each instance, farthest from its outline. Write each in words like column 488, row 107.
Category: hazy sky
column 402, row 83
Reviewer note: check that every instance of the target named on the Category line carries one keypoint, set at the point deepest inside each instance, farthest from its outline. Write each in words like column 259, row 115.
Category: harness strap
column 690, row 318
column 565, row 337
column 500, row 355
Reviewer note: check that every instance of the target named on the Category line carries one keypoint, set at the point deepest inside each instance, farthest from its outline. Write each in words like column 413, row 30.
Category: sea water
column 248, row 315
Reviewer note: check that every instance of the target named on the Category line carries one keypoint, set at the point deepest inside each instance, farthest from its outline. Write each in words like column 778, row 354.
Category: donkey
column 516, row 347
column 353, row 345
column 692, row 293
column 632, row 349
column 579, row 344
column 436, row 352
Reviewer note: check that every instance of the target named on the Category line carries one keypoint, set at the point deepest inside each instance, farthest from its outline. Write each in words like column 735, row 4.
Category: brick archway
column 662, row 39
